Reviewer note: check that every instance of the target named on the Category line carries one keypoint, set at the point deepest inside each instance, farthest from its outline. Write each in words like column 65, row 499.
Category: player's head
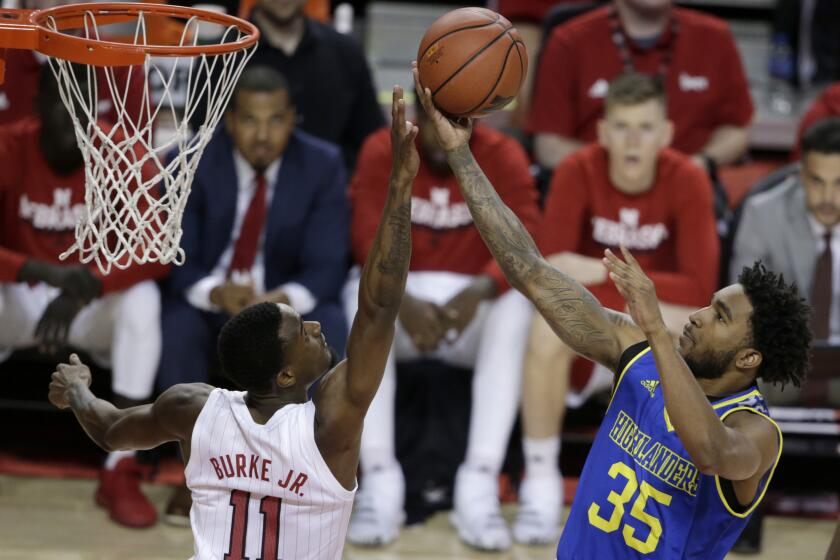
column 261, row 115
column 758, row 327
column 820, row 170
column 267, row 347
column 433, row 155
column 281, row 12
column 634, row 129
column 58, row 137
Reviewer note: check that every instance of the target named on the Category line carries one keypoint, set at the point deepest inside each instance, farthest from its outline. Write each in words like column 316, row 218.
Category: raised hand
column 64, row 377
column 636, row 289
column 405, row 161
column 450, row 134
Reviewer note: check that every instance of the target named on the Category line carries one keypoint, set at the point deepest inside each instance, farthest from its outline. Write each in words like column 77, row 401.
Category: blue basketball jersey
column 639, row 495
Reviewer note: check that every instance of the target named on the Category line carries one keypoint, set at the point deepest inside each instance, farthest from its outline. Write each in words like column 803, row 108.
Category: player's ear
column 748, row 358
column 286, row 378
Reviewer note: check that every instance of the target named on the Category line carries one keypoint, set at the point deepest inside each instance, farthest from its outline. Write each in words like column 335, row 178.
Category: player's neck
column 642, row 24
column 631, row 185
column 263, row 407
column 283, row 35
column 729, row 383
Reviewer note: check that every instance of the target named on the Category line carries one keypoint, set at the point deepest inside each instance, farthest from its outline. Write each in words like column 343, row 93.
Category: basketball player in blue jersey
column 687, row 447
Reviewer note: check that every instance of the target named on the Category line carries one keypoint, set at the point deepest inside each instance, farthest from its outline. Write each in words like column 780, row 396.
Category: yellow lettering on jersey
column 653, row 456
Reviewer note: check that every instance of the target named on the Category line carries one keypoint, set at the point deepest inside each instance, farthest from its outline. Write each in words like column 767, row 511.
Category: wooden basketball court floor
column 56, row 519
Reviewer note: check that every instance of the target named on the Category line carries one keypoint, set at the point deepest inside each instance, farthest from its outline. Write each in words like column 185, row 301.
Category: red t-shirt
column 705, row 83
column 18, row 91
column 443, row 237
column 39, row 210
column 670, row 228
column 529, row 10
column 826, row 105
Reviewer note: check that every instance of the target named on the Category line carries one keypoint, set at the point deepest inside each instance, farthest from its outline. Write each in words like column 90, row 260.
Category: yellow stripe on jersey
column 621, row 376
column 772, row 469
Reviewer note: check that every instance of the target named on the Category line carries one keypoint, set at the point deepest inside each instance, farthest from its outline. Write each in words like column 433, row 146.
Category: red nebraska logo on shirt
column 628, row 232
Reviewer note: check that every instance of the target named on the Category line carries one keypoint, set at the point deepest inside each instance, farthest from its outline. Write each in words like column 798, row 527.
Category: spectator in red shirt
column 628, row 189
column 693, row 54
column 456, row 309
column 826, row 105
column 50, row 303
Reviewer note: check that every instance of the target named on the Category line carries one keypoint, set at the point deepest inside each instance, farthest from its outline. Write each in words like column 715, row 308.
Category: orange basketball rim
column 50, row 32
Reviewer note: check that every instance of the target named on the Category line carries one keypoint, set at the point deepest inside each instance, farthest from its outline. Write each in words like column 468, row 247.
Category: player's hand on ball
column 65, row 376
column 450, row 134
column 405, row 160
column 636, row 289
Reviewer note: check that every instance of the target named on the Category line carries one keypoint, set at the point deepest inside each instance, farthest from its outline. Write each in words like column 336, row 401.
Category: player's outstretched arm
column 344, row 395
column 572, row 311
column 170, row 418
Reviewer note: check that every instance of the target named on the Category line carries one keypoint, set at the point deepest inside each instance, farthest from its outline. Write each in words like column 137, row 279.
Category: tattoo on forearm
column 571, row 310
column 398, row 241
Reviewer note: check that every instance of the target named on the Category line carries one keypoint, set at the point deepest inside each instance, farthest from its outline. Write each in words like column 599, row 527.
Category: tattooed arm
column 344, row 395
column 572, row 311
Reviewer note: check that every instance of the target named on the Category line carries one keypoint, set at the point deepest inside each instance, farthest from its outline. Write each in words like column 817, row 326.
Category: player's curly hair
column 250, row 348
column 780, row 324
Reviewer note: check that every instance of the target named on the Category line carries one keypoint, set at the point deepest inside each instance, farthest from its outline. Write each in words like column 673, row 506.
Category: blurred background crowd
column 701, row 134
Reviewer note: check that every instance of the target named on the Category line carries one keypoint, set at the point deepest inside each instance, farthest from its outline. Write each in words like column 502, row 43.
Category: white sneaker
column 540, row 507
column 378, row 512
column 477, row 515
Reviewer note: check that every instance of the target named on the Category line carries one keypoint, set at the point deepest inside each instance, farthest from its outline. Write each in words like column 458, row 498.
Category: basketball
column 473, row 61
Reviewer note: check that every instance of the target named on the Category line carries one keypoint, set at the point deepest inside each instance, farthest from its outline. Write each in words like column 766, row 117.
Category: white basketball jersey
column 262, row 491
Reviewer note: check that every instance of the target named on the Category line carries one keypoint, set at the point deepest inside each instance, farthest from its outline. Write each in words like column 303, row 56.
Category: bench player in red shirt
column 692, row 54
column 48, row 302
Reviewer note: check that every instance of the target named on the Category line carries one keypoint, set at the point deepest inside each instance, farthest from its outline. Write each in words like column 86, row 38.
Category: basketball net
column 136, row 191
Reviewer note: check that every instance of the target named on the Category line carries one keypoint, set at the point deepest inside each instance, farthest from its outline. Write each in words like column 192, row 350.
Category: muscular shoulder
column 178, row 407
column 759, row 429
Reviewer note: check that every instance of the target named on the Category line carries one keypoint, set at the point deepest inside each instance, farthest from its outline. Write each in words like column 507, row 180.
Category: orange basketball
column 473, row 60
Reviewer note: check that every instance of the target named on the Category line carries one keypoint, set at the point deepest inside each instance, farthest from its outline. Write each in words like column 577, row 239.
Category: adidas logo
column 650, row 385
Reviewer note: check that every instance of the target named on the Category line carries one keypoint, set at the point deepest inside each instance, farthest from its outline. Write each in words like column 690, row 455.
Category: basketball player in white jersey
column 273, row 475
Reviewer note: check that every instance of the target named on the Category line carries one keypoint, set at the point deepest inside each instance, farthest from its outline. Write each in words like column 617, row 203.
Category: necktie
column 821, row 292
column 245, row 249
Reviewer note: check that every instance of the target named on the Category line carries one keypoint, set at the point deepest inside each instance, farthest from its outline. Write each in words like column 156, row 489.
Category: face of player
column 633, row 136
column 714, row 339
column 260, row 124
column 820, row 177
column 282, row 12
column 304, row 345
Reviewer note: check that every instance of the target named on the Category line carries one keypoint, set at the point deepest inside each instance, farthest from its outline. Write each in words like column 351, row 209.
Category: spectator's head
column 432, row 154
column 634, row 129
column 820, row 170
column 281, row 12
column 268, row 348
column 261, row 115
column 58, row 136
column 758, row 328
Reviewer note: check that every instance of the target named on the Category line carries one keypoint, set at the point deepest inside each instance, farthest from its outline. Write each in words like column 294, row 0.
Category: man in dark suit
column 266, row 221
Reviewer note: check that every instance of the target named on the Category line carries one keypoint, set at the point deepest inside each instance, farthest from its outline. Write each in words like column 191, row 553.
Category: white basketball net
column 136, row 191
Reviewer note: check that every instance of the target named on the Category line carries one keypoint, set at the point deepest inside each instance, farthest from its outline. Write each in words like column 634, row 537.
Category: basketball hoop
column 136, row 189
